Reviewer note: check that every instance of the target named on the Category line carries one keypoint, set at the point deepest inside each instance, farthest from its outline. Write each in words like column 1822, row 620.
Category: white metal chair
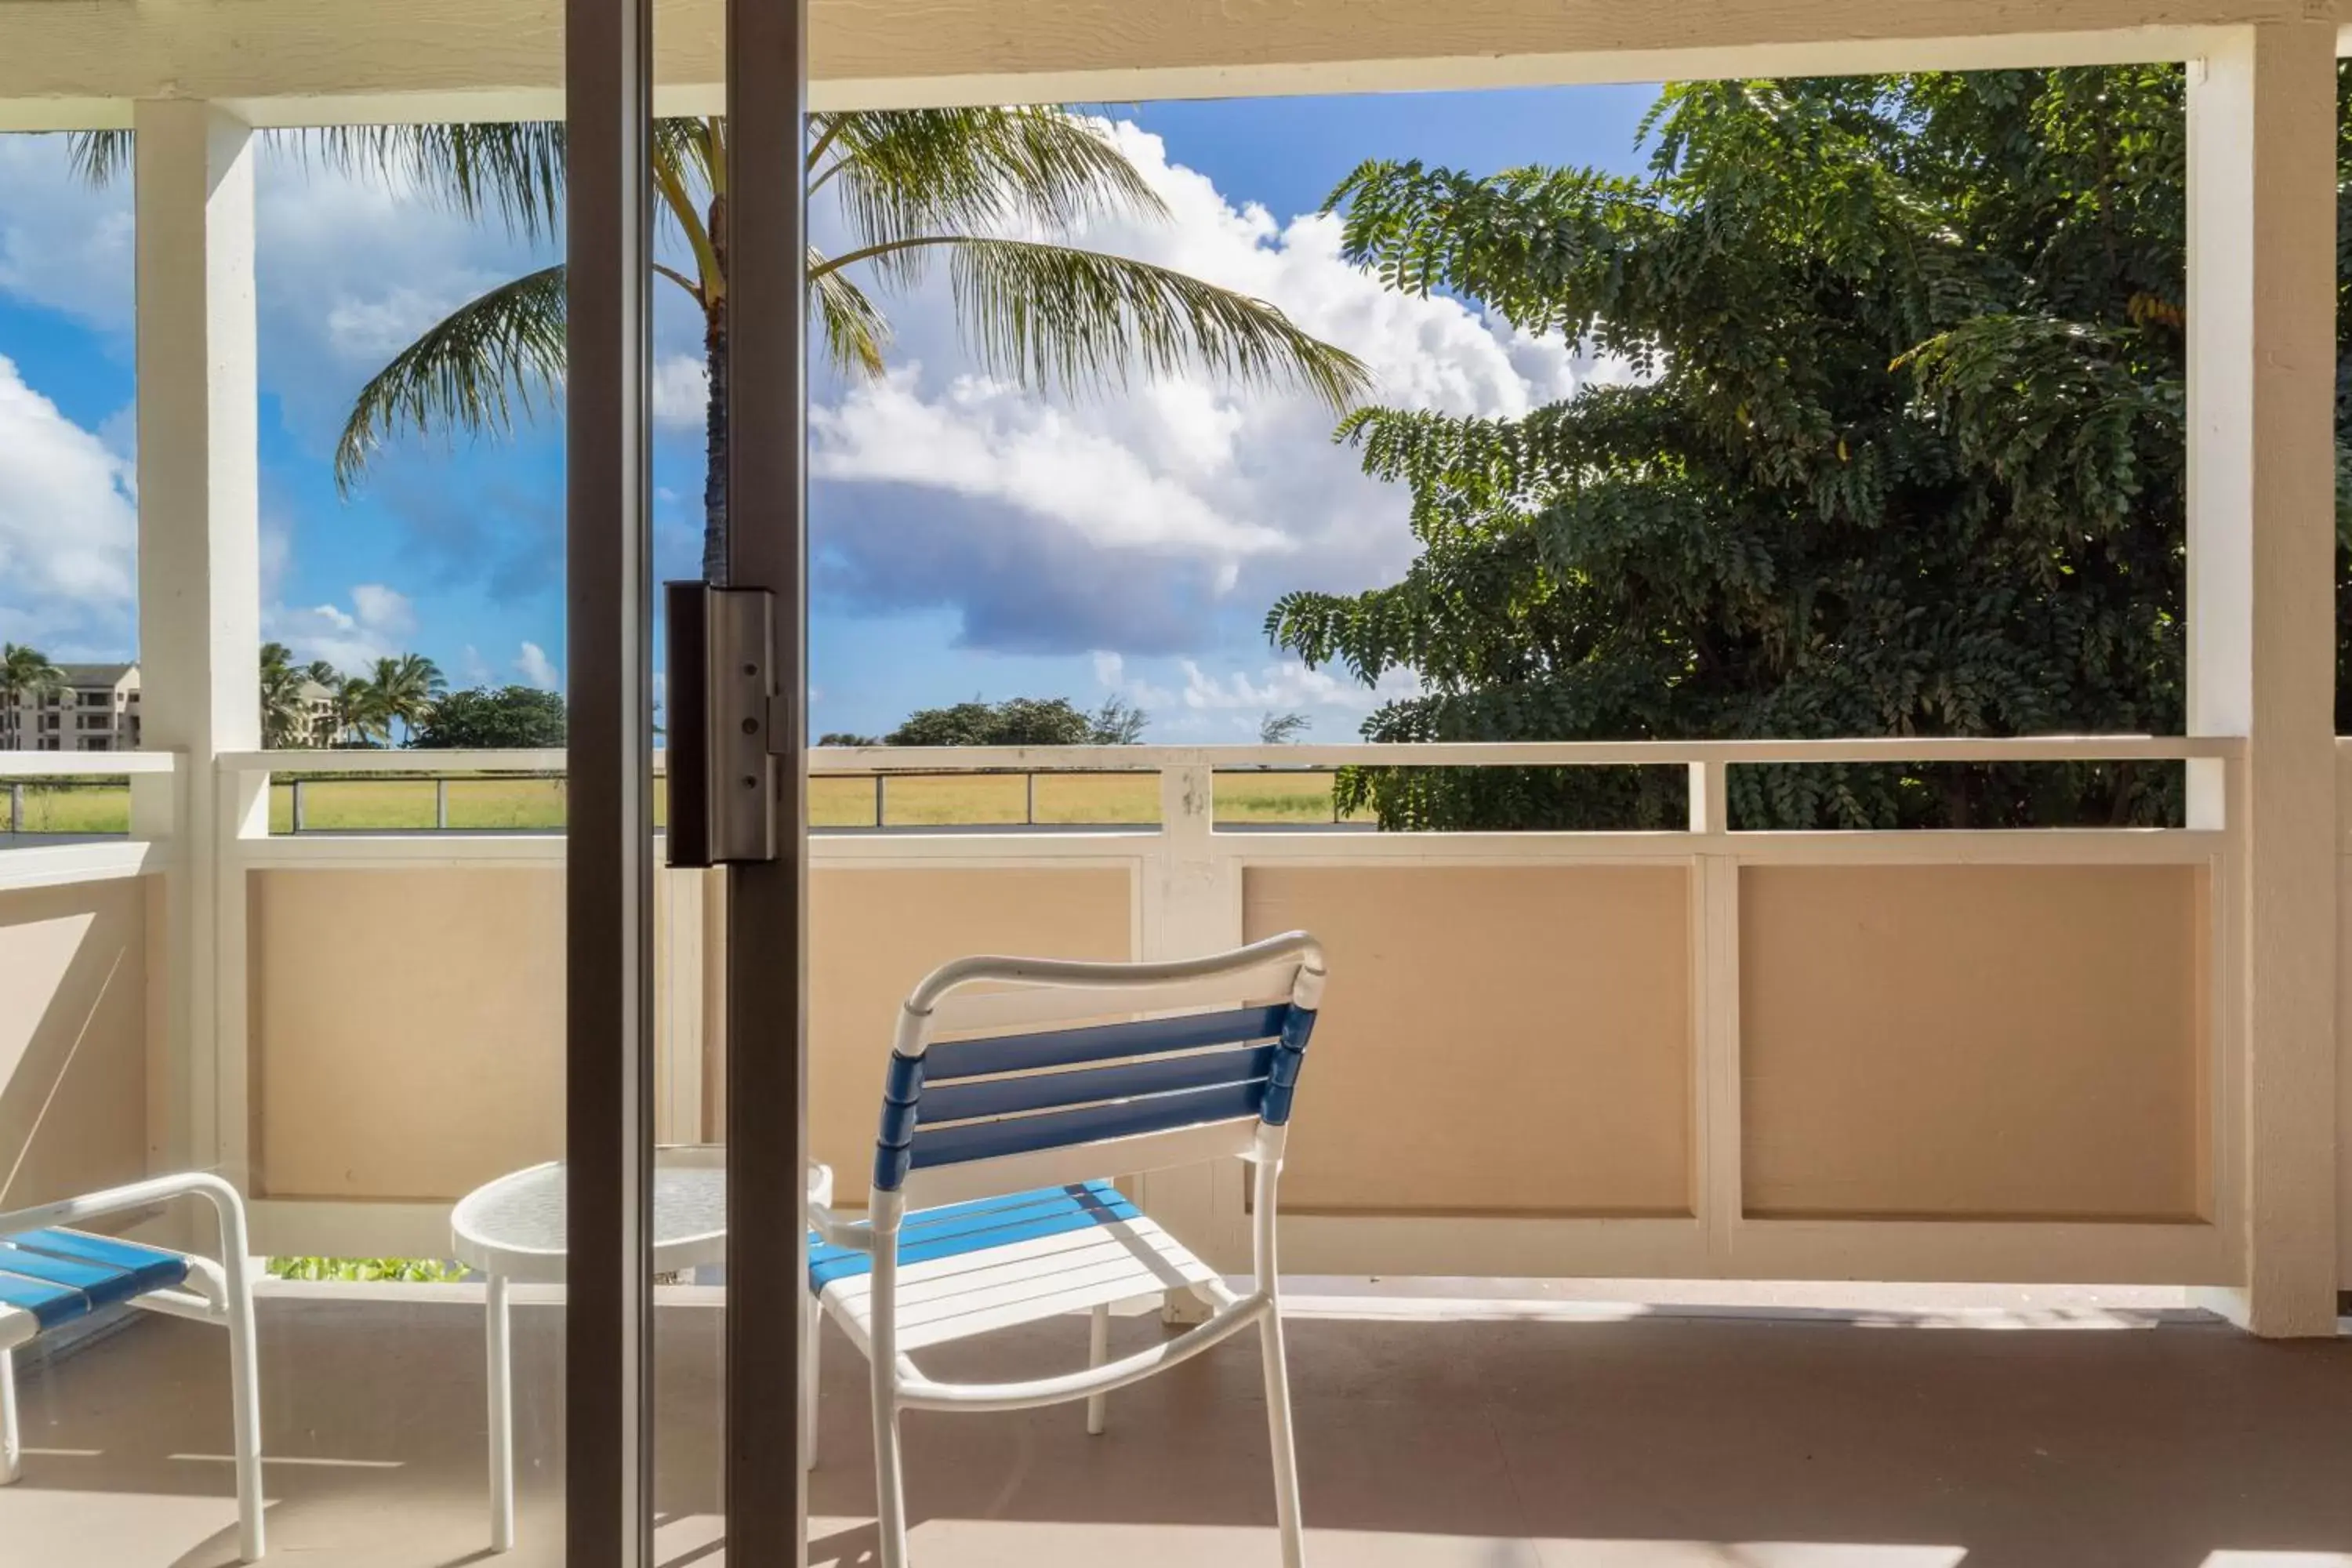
column 51, row 1276
column 1016, row 1127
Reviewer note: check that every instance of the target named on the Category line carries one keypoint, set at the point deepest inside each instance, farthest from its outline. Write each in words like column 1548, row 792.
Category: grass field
column 357, row 804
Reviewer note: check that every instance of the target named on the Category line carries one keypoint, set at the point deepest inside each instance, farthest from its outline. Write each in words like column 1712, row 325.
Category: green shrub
column 365, row 1271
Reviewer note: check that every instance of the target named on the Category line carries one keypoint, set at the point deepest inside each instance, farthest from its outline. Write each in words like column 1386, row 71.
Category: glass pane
column 386, row 1110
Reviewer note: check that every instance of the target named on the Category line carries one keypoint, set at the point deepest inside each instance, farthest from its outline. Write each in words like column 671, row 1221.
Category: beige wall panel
column 73, row 1039
column 407, row 1029
column 1974, row 1041
column 873, row 933
column 1494, row 1040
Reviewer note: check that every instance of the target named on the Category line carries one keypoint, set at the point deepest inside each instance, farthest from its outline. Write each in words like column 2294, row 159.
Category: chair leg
column 501, row 1338
column 811, row 1340
column 1098, row 1352
column 245, row 1388
column 11, row 1448
column 890, row 1493
column 1285, row 1453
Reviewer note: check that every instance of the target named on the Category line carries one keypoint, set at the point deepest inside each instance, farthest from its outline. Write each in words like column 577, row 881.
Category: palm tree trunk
column 714, row 354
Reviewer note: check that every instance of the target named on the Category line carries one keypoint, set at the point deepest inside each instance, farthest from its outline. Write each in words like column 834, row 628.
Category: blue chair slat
column 51, row 1304
column 1059, row 1130
column 1289, row 1057
column 62, row 1275
column 978, row 1227
column 1101, row 1042
column 163, row 1268
column 111, row 1270
column 1087, row 1086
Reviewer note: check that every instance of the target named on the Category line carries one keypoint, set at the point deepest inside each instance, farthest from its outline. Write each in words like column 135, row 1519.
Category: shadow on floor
column 1659, row 1442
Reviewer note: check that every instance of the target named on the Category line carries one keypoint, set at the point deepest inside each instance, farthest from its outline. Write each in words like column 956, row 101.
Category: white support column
column 199, row 588
column 2261, row 622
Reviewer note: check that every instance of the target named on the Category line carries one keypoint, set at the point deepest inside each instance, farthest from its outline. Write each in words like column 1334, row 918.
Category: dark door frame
column 767, row 902
column 608, row 837
column 609, row 856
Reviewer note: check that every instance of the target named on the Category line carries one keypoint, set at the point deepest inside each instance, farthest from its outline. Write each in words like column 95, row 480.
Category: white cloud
column 536, row 668
column 63, row 243
column 349, row 639
column 681, row 392
column 68, row 523
column 1153, row 521
column 990, row 441
column 1287, row 687
column 1111, row 671
column 385, row 609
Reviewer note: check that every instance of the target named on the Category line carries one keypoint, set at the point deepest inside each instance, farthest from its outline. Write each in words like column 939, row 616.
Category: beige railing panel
column 2008, row 1042
column 407, row 1029
column 1497, row 1040
column 74, row 1105
column 873, row 933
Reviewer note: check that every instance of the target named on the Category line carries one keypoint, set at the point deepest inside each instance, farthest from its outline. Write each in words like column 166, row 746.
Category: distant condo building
column 96, row 709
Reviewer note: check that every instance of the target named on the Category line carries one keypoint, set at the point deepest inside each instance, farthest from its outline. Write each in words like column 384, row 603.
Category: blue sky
column 970, row 539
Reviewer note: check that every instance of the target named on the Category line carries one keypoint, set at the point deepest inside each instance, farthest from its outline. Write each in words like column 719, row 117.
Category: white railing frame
column 154, row 778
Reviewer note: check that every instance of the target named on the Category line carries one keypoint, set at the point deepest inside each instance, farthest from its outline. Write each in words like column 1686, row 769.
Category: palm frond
column 472, row 371
column 684, row 161
column 1055, row 316
column 98, row 157
column 512, row 169
column 686, row 145
column 857, row 333
column 902, row 173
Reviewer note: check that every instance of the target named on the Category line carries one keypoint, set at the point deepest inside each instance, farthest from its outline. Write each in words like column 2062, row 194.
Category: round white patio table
column 512, row 1230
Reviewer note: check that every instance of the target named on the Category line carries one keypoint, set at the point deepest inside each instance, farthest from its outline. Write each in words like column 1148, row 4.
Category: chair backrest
column 1063, row 1071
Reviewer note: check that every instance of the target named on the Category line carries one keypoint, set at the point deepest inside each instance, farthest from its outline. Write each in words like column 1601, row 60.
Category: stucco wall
column 74, row 1021
column 408, row 1025
column 1994, row 1041
column 407, row 1029
column 1494, row 1040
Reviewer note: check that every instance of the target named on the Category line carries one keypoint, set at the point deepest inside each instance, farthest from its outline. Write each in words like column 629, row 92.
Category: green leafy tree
column 1902, row 454
column 24, row 672
column 483, row 719
column 966, row 190
column 1016, row 722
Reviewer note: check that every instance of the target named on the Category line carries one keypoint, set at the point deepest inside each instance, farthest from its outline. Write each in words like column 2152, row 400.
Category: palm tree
column 285, row 711
column 24, row 672
column 965, row 188
column 403, row 689
column 360, row 716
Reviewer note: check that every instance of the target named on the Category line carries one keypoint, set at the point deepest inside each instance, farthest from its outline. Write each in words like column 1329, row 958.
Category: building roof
column 96, row 673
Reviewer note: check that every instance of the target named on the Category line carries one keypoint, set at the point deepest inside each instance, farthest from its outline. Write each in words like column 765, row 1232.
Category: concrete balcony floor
column 1512, row 1437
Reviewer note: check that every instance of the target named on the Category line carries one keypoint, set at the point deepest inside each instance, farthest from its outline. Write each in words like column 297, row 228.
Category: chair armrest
column 836, row 1231
column 226, row 1202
